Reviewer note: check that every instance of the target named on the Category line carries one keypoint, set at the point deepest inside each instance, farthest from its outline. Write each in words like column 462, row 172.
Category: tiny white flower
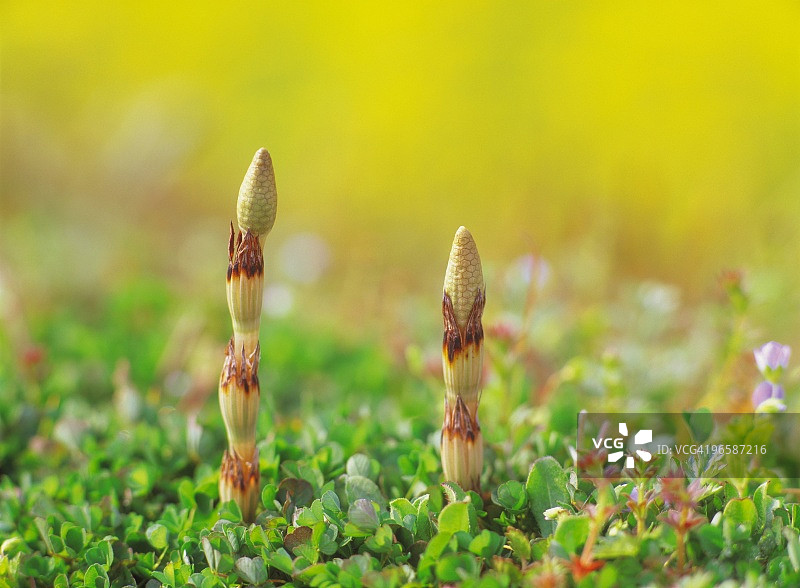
column 552, row 514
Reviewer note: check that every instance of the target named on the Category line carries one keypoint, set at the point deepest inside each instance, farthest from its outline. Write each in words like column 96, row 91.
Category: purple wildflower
column 765, row 391
column 772, row 357
column 635, row 494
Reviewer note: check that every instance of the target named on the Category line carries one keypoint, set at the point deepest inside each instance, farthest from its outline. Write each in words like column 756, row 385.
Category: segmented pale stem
column 245, row 288
column 240, row 481
column 239, row 397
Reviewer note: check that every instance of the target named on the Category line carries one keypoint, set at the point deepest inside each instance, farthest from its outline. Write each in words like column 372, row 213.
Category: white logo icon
column 641, row 438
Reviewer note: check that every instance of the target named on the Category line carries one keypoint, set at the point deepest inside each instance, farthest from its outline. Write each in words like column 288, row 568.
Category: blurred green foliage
column 110, row 437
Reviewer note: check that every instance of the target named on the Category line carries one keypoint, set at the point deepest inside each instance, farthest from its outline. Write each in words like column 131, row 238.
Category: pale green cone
column 464, row 276
column 462, row 359
column 258, row 199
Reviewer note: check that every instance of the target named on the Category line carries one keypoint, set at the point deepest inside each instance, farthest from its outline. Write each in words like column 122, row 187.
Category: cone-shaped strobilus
column 239, row 394
column 462, row 357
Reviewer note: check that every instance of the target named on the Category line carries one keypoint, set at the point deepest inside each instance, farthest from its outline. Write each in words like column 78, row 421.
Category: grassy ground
column 111, row 438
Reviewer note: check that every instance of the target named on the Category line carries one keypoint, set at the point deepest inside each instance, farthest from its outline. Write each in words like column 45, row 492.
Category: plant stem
column 641, row 511
column 239, row 391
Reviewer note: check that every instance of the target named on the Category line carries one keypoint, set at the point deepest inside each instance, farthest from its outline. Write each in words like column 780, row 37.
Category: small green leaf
column 454, row 492
column 424, row 527
column 381, row 542
column 315, row 574
column 538, row 547
column 141, row 479
column 95, row 577
column 616, row 546
column 230, row 511
column 608, row 577
column 547, row 486
column 280, row 560
column 476, row 500
column 252, row 570
column 330, row 502
column 38, row 566
column 57, row 544
column 157, row 536
column 438, row 544
column 793, row 548
column 357, row 487
column 327, row 543
column 711, row 539
column 510, row 495
column 101, row 554
column 454, row 567
column 742, row 511
column 268, row 495
column 226, row 563
column 73, row 537
column 519, row 543
column 764, row 504
column 433, row 551
column 361, row 465
column 572, row 532
column 186, row 494
column 293, row 493
column 400, row 508
column 300, row 536
column 310, row 515
column 212, row 555
column 44, row 532
column 364, row 516
column 487, row 544
column 306, row 552
column 454, row 517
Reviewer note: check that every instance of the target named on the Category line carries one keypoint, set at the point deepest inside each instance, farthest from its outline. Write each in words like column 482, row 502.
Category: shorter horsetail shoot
column 462, row 359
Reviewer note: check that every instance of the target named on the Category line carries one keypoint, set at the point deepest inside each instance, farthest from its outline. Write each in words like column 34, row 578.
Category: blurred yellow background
column 619, row 140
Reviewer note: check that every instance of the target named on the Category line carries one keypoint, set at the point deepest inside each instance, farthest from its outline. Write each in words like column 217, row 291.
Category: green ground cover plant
column 112, row 485
column 109, row 446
